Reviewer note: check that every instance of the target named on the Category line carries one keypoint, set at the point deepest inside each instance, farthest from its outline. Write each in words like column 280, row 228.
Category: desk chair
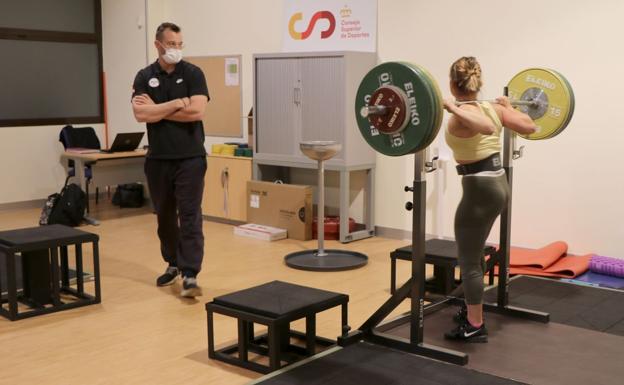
column 80, row 137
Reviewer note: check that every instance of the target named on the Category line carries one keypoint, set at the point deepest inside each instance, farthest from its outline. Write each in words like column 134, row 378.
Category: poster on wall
column 329, row 25
column 231, row 72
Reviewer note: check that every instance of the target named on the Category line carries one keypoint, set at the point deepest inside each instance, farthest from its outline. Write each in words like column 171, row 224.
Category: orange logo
column 316, row 17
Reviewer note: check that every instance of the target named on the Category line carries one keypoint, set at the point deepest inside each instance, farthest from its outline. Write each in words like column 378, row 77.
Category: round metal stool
column 321, row 259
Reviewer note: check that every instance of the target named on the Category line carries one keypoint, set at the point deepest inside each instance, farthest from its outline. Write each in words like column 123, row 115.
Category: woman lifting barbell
column 473, row 134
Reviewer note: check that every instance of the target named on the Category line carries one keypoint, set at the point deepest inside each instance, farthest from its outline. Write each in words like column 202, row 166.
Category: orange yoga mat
column 549, row 261
column 568, row 266
column 538, row 258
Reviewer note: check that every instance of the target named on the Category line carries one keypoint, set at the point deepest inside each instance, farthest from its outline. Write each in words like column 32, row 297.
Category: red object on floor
column 332, row 227
column 551, row 260
column 539, row 258
column 568, row 266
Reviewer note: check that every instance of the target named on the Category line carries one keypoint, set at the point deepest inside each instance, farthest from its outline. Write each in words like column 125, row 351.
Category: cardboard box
column 266, row 233
column 284, row 206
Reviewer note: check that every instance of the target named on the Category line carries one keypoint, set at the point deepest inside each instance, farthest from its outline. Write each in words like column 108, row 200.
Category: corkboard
column 224, row 110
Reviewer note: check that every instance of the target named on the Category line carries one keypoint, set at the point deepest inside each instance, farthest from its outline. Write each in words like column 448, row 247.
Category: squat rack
column 415, row 286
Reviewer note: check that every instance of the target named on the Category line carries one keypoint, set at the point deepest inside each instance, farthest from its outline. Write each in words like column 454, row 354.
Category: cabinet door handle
column 225, row 178
column 297, row 96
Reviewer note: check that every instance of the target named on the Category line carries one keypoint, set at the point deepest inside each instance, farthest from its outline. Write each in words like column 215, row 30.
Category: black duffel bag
column 129, row 195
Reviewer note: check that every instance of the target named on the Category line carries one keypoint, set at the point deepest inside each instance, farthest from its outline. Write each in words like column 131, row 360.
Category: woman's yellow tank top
column 479, row 146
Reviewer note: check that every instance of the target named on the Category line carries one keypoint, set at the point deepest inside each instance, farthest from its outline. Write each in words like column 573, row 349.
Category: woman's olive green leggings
column 483, row 199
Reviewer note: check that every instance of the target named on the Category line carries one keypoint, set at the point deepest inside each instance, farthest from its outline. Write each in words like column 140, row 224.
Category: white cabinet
column 311, row 96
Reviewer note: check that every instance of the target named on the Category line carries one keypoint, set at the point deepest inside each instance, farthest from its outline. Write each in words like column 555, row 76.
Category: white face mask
column 172, row 55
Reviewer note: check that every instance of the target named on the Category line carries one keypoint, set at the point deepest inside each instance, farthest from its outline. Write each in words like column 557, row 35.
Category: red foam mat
column 549, row 261
column 568, row 266
column 538, row 258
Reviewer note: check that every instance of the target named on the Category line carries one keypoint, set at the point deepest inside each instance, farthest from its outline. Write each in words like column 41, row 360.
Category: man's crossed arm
column 179, row 110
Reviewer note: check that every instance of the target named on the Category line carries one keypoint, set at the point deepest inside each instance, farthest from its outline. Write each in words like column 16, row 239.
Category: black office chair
column 80, row 137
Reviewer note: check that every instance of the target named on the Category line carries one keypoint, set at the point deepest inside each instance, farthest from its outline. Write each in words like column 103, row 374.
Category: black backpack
column 65, row 208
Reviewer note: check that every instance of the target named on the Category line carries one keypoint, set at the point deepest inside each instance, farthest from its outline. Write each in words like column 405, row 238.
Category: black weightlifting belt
column 491, row 163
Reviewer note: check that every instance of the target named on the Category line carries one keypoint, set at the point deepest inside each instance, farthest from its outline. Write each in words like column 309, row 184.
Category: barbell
column 399, row 105
column 513, row 102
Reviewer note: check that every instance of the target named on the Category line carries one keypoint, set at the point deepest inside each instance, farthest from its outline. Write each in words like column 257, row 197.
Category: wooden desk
column 108, row 169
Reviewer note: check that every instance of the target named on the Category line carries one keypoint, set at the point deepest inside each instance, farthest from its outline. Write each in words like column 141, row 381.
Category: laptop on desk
column 126, row 141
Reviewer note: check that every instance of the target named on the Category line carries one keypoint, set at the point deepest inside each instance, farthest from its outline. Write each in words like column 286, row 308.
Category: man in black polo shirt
column 170, row 95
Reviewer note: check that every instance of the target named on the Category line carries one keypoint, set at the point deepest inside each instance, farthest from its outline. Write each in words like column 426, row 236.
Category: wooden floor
column 142, row 334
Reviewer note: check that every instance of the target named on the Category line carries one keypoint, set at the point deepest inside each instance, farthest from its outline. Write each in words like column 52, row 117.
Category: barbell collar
column 366, row 111
column 524, row 102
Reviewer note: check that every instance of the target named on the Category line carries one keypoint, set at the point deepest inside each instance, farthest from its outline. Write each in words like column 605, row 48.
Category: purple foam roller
column 607, row 265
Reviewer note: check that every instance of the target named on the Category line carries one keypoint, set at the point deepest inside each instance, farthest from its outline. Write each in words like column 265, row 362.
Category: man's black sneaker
column 462, row 314
column 468, row 333
column 169, row 276
column 190, row 288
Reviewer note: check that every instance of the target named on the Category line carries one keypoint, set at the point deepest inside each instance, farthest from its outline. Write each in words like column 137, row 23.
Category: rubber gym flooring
column 580, row 345
column 570, row 304
column 367, row 364
column 583, row 344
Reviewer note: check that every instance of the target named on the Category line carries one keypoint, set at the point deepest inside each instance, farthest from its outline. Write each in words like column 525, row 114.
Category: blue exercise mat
column 601, row 280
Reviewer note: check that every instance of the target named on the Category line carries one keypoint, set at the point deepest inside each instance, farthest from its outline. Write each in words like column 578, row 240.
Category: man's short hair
column 164, row 26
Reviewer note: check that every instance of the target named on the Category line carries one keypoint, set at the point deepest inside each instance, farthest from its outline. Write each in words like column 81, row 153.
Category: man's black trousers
column 176, row 187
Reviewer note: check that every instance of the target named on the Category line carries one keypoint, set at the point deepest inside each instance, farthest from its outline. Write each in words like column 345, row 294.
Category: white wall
column 236, row 27
column 30, row 163
column 569, row 187
column 30, row 156
column 565, row 188
column 244, row 27
column 124, row 30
